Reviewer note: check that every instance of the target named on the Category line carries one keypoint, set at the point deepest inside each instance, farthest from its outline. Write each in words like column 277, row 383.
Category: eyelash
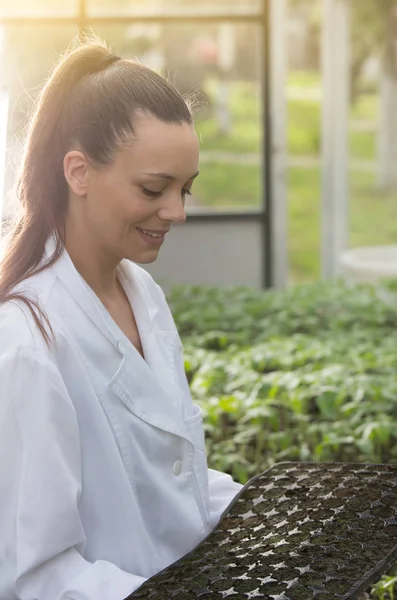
column 152, row 194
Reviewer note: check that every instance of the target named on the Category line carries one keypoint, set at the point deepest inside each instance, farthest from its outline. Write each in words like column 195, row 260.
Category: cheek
column 118, row 206
column 135, row 210
column 109, row 202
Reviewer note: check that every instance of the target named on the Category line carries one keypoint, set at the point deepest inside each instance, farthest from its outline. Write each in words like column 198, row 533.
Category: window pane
column 26, row 55
column 38, row 8
column 220, row 64
column 304, row 142
column 373, row 142
column 372, row 138
column 161, row 7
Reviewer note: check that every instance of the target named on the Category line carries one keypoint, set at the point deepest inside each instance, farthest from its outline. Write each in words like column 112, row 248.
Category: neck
column 93, row 263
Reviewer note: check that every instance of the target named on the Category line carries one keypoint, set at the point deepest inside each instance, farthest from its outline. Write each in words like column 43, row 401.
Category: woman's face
column 125, row 209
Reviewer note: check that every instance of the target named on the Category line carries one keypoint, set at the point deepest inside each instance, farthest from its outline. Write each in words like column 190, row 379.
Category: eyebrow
column 169, row 177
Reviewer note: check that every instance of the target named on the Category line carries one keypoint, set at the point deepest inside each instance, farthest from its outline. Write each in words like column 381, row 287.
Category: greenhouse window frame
column 261, row 16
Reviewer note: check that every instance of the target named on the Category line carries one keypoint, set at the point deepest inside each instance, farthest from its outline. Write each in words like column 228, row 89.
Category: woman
column 103, row 473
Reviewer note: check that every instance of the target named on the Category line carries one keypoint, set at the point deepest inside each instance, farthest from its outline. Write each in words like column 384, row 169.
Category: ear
column 75, row 169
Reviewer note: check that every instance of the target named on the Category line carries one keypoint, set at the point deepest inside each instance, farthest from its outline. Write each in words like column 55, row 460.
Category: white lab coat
column 103, row 472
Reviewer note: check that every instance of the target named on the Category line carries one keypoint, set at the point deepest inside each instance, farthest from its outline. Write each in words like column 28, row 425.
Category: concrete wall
column 221, row 253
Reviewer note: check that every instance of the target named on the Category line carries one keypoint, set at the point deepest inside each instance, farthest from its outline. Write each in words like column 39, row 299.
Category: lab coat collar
column 153, row 379
column 78, row 288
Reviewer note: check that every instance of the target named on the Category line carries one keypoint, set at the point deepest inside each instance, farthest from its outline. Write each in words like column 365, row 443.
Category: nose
column 173, row 209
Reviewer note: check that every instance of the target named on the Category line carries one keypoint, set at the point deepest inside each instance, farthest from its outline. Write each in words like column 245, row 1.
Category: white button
column 177, row 467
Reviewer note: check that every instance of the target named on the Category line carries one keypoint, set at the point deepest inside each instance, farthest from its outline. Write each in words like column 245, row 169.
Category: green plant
column 302, row 374
column 385, row 589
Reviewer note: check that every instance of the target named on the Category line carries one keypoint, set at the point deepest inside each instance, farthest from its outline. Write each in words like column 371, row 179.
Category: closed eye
column 151, row 193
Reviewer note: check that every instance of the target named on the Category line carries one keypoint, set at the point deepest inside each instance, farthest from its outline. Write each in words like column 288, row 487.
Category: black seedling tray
column 297, row 531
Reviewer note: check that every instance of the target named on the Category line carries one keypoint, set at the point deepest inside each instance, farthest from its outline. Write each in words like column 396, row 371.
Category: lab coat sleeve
column 222, row 490
column 41, row 534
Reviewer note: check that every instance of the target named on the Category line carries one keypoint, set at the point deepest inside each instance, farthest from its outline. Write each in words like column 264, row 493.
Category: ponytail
column 88, row 102
column 41, row 187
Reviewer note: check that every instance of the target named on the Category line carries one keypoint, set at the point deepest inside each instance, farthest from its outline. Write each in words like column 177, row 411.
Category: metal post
column 335, row 72
column 267, row 204
column 278, row 82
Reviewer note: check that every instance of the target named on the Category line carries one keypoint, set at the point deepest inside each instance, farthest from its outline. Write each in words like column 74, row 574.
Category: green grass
column 372, row 218
column 228, row 186
column 304, row 224
column 366, row 108
column 309, row 79
column 304, row 121
column 373, row 215
column 244, row 137
column 362, row 145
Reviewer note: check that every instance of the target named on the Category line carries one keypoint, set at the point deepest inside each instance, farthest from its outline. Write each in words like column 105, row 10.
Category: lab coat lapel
column 149, row 388
column 157, row 393
column 76, row 287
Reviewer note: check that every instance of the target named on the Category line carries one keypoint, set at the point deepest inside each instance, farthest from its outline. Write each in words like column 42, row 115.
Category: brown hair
column 88, row 101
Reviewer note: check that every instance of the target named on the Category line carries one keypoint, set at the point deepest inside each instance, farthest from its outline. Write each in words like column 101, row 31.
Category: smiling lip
column 156, row 231
column 153, row 241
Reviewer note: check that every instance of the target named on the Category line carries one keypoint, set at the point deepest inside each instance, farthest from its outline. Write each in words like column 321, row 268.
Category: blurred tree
column 373, row 33
column 308, row 14
column 369, row 23
column 387, row 131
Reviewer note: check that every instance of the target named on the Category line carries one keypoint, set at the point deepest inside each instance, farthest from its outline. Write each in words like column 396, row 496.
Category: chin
column 144, row 258
column 148, row 260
